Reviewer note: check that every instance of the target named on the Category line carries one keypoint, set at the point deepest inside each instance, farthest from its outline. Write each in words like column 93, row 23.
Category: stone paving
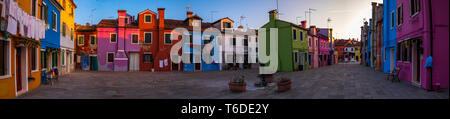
column 342, row 81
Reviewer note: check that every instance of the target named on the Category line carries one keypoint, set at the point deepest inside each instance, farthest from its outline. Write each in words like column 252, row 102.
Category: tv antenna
column 241, row 19
column 329, row 22
column 310, row 10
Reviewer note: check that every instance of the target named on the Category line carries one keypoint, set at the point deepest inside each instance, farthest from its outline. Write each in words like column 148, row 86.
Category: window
column 167, row 39
column 148, row 38
column 400, row 15
column 234, row 41
column 301, row 35
column 296, row 57
column 404, row 53
column 414, row 6
column 392, row 19
column 54, row 60
column 246, row 40
column 110, row 57
column 148, row 57
column 126, row 20
column 4, row 58
column 33, row 7
column 81, row 40
column 93, row 39
column 113, row 38
column 226, row 25
column 44, row 14
column 34, row 59
column 70, row 59
column 63, row 63
column 64, row 29
column 54, row 21
column 43, row 59
column 309, row 41
column 294, row 34
column 148, row 18
column 134, row 38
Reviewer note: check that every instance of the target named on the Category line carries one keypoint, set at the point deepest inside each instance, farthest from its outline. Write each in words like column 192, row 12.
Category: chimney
column 161, row 17
column 273, row 15
column 241, row 28
column 122, row 14
column 374, row 4
column 189, row 14
column 304, row 24
column 87, row 24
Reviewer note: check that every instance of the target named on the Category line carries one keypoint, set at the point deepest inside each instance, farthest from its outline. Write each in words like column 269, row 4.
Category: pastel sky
column 346, row 15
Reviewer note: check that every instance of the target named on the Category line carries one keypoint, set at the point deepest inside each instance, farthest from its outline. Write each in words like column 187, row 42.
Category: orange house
column 148, row 39
column 19, row 53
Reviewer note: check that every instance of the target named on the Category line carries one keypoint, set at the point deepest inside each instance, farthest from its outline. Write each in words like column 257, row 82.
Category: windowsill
column 415, row 14
column 33, row 71
column 5, row 77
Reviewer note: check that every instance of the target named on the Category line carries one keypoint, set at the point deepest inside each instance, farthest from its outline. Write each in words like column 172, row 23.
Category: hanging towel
column 429, row 62
column 12, row 26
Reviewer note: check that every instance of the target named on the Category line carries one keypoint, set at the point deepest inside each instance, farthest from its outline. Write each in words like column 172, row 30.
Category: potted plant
column 284, row 84
column 238, row 84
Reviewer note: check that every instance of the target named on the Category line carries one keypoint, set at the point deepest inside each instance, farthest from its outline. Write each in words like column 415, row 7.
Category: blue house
column 369, row 46
column 50, row 45
column 199, row 66
column 389, row 35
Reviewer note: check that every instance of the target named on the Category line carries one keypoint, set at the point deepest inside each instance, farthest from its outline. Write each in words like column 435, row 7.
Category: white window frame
column 37, row 51
column 132, row 38
column 63, row 57
column 151, row 37
column 90, row 39
column 145, row 18
column 56, row 21
column 296, row 57
column 411, row 8
column 301, row 36
column 8, row 61
column 110, row 38
column 143, row 57
column 165, row 39
column 107, row 56
column 78, row 40
column 398, row 13
column 294, row 35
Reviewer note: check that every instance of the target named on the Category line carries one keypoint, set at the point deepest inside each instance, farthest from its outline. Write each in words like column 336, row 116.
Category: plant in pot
column 238, row 84
column 284, row 84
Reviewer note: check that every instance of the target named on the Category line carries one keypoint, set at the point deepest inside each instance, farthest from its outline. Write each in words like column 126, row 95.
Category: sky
column 346, row 15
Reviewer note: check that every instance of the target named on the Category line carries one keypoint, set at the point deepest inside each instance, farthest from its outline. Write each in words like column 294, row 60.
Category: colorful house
column 149, row 39
column 20, row 41
column 379, row 38
column 291, row 41
column 328, row 32
column 86, row 47
column 364, row 43
column 389, row 35
column 67, row 35
column 422, row 36
column 313, row 47
column 118, row 43
column 324, row 50
column 50, row 46
column 358, row 51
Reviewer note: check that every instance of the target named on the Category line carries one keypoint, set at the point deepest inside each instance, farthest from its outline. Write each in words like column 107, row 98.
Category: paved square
column 343, row 81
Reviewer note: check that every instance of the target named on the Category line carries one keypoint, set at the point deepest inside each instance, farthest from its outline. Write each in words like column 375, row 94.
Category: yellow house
column 67, row 36
column 358, row 52
column 19, row 54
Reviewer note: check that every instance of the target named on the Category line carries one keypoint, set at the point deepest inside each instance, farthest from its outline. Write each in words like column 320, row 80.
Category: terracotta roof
column 172, row 24
column 221, row 20
column 114, row 23
column 86, row 28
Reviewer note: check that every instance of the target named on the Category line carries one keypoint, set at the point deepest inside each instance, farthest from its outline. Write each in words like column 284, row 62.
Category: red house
column 86, row 47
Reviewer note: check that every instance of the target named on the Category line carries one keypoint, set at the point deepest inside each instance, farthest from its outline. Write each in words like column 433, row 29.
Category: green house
column 292, row 44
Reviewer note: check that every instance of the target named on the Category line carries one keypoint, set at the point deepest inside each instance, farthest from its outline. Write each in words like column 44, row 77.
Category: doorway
column 417, row 56
column 21, row 70
column 392, row 62
column 93, row 63
column 134, row 62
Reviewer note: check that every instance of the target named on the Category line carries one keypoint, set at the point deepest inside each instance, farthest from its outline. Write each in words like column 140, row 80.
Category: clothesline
column 29, row 26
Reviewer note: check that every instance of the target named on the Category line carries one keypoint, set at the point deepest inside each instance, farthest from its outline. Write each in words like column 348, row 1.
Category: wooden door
column 19, row 69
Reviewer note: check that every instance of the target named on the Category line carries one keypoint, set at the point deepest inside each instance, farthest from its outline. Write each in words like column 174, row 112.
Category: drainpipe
column 431, row 42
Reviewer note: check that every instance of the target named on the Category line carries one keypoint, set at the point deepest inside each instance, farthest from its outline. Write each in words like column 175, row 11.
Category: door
column 19, row 69
column 197, row 66
column 175, row 67
column 94, row 63
column 392, row 59
column 134, row 62
column 417, row 54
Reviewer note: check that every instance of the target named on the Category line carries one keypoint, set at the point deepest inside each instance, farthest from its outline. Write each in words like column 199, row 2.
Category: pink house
column 324, row 50
column 422, row 32
column 118, row 43
column 313, row 46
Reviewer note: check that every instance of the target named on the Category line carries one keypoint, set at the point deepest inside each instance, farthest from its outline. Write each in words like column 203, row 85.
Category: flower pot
column 284, row 86
column 237, row 87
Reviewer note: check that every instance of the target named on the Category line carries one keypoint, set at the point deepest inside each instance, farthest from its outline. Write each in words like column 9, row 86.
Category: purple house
column 118, row 43
column 422, row 35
